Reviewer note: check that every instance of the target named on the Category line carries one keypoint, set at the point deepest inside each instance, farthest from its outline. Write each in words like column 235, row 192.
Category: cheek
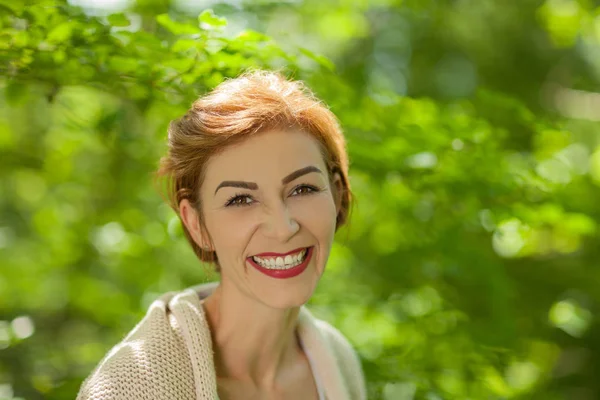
column 230, row 230
column 317, row 214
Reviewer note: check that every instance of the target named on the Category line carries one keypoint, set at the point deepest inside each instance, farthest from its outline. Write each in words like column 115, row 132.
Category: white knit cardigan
column 169, row 356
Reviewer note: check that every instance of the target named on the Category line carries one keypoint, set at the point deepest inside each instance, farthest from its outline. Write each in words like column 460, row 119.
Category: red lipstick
column 280, row 254
column 284, row 273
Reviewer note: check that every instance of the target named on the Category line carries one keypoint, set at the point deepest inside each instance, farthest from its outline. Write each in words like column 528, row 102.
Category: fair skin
column 253, row 315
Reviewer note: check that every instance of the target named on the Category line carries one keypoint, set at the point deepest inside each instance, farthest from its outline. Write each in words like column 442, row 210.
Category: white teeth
column 286, row 262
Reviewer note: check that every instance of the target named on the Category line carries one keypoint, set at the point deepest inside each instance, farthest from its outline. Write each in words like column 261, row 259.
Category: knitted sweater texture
column 169, row 356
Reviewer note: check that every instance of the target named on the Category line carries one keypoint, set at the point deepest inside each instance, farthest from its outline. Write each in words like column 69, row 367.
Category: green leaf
column 252, row 36
column 180, row 64
column 183, row 45
column 175, row 27
column 213, row 46
column 19, row 39
column 208, row 20
column 123, row 64
column 9, row 5
column 119, row 19
column 60, row 33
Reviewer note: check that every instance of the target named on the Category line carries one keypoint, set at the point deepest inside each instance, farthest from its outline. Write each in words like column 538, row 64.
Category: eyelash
column 230, row 202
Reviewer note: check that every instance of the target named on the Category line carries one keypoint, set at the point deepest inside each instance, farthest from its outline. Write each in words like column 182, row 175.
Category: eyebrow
column 254, row 186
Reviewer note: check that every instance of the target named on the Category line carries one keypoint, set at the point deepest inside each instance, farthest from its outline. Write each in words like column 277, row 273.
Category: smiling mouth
column 282, row 262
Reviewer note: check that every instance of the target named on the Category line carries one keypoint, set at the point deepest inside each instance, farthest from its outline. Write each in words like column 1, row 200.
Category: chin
column 286, row 300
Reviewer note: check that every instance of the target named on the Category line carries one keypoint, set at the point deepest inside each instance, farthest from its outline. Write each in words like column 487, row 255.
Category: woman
column 257, row 173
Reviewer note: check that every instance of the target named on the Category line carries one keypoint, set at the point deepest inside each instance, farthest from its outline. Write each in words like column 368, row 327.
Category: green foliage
column 469, row 268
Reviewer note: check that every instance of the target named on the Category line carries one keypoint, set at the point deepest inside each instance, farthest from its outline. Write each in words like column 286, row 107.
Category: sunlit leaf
column 119, row 20
column 208, row 20
column 178, row 28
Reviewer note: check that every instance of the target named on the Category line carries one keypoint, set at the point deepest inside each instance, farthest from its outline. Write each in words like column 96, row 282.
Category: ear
column 191, row 220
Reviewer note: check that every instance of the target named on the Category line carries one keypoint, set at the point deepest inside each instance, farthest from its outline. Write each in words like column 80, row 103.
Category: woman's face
column 264, row 198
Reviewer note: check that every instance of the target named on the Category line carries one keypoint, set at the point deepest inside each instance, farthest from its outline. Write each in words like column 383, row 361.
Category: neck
column 252, row 342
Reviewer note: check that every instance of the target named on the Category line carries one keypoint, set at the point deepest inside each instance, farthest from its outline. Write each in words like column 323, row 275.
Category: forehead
column 267, row 155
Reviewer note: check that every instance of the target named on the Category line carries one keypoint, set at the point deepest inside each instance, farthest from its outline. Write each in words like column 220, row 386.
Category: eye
column 238, row 200
column 241, row 200
column 305, row 189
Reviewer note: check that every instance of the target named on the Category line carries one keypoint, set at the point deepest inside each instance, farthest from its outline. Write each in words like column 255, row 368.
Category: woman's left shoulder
column 347, row 358
column 336, row 339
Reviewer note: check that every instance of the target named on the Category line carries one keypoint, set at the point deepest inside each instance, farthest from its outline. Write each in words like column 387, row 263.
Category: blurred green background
column 470, row 269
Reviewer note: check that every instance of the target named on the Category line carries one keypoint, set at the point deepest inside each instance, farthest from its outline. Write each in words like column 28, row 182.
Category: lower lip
column 284, row 273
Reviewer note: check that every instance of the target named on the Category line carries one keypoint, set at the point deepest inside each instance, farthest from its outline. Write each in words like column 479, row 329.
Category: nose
column 279, row 223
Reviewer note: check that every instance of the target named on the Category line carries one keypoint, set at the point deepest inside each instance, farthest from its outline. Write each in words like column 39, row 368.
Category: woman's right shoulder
column 152, row 361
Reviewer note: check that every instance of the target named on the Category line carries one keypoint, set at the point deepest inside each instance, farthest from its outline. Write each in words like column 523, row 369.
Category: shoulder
column 150, row 362
column 335, row 338
column 348, row 360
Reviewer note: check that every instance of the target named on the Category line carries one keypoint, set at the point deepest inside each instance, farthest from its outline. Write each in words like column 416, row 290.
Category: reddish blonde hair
column 256, row 101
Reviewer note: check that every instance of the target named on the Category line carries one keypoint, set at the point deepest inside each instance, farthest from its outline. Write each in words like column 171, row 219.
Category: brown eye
column 305, row 189
column 238, row 201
